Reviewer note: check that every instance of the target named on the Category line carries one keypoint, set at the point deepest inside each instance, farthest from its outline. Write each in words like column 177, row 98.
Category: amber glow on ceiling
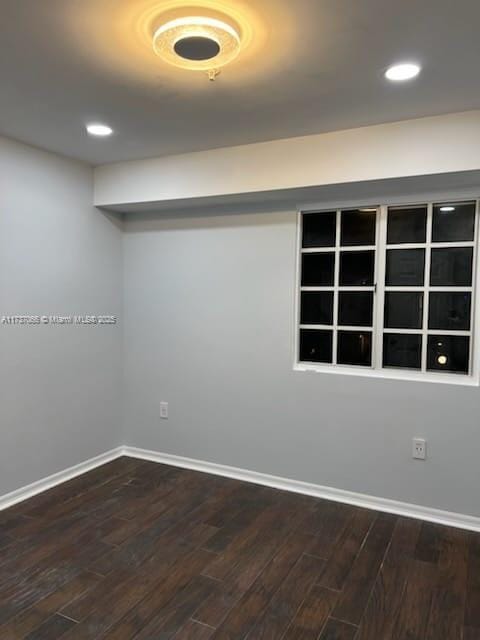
column 198, row 43
column 129, row 56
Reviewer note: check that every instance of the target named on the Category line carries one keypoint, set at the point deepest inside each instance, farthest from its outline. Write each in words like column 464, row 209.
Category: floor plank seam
column 351, row 624
column 314, row 555
column 203, row 624
column 62, row 615
column 371, row 592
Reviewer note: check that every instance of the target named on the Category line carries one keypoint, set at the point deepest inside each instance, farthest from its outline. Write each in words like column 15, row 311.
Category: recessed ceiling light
column 99, row 130
column 404, row 71
column 447, row 209
column 198, row 43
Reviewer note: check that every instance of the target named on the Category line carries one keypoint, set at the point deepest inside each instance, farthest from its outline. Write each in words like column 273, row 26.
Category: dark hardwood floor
column 140, row 551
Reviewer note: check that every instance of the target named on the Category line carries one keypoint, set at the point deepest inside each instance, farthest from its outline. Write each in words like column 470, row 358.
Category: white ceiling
column 313, row 66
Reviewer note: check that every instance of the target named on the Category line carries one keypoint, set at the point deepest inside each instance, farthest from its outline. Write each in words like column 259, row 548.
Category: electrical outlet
column 419, row 448
column 164, row 410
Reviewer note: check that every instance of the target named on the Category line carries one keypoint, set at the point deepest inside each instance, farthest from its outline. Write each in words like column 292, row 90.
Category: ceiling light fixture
column 99, row 130
column 197, row 43
column 447, row 209
column 401, row 72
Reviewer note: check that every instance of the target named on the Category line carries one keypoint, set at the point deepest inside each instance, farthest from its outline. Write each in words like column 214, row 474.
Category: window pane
column 318, row 269
column 355, row 308
column 358, row 227
column 448, row 353
column 316, row 345
column 449, row 311
column 316, row 308
column 408, row 224
column 453, row 222
column 319, row 229
column 404, row 310
column 354, row 348
column 357, row 268
column 402, row 351
column 452, row 267
column 405, row 267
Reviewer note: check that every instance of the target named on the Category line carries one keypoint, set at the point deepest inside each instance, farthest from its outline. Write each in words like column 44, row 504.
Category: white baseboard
column 396, row 507
column 458, row 520
column 9, row 499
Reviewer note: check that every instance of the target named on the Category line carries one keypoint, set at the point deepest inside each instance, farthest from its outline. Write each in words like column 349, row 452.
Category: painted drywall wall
column 208, row 301
column 209, row 322
column 424, row 146
column 59, row 385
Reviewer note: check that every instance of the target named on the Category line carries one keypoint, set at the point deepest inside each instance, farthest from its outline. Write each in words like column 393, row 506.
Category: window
column 388, row 289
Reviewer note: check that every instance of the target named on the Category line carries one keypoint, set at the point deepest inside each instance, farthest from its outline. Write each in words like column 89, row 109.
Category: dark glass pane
column 449, row 311
column 357, row 268
column 407, row 224
column 318, row 269
column 405, row 267
column 316, row 345
column 453, row 222
column 448, row 353
column 404, row 310
column 316, row 308
column 358, row 227
column 319, row 229
column 403, row 351
column 354, row 348
column 451, row 267
column 355, row 308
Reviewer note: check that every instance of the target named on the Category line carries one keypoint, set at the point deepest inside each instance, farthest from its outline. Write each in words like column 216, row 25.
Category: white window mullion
column 298, row 296
column 439, row 289
column 319, row 327
column 336, row 285
column 423, row 245
column 426, row 295
column 354, row 248
column 380, row 286
column 444, row 332
column 318, row 250
column 344, row 289
column 474, row 311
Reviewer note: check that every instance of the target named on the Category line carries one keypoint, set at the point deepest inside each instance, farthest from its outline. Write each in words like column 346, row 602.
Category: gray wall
column 208, row 306
column 209, row 328
column 59, row 385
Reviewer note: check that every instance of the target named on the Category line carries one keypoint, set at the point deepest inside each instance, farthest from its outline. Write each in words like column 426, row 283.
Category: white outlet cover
column 419, row 450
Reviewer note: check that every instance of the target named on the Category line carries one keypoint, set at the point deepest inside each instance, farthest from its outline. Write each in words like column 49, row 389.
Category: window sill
column 407, row 376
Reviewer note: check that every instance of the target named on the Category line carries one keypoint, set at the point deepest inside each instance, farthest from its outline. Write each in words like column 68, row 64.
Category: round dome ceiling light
column 402, row 72
column 197, row 43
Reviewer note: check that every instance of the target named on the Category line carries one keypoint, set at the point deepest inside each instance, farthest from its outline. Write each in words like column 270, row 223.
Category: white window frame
column 376, row 370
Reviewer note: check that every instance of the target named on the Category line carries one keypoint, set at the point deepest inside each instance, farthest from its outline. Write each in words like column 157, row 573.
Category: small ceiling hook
column 212, row 74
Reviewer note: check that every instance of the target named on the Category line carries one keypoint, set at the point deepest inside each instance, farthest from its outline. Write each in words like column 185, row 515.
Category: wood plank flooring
column 141, row 551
